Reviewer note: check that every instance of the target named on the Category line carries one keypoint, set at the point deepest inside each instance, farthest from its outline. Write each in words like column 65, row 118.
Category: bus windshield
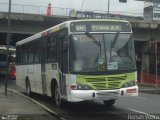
column 98, row 53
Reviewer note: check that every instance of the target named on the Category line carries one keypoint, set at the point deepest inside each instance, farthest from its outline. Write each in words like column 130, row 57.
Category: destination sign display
column 100, row 26
column 106, row 27
column 80, row 28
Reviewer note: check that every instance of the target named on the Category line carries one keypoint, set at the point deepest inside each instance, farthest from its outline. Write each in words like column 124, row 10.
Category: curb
column 51, row 112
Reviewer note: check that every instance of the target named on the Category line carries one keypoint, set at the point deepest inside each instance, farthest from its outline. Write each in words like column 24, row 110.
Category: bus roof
column 59, row 27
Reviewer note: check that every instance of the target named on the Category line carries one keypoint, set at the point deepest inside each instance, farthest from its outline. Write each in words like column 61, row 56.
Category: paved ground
column 149, row 88
column 15, row 105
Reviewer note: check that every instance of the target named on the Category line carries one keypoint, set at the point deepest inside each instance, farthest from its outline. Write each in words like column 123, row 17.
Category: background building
column 151, row 9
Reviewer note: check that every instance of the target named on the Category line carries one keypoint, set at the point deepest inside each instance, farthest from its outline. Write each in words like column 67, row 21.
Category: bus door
column 43, row 69
column 63, row 61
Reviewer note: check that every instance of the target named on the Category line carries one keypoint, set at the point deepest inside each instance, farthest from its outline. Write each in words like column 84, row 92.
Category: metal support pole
column 156, row 67
column 7, row 42
column 82, row 4
column 108, row 7
column 100, row 5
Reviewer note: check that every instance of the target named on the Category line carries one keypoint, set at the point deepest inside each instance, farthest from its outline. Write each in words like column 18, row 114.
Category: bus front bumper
column 82, row 95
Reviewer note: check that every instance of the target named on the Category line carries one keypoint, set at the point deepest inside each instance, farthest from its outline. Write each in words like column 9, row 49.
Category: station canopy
column 3, row 49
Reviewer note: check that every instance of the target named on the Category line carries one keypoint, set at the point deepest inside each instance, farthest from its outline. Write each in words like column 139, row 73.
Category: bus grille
column 109, row 82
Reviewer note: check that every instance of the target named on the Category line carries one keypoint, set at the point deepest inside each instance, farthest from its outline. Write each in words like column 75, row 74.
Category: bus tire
column 58, row 100
column 109, row 103
column 28, row 88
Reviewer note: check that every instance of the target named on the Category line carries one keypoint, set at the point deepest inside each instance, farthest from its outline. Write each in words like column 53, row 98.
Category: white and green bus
column 78, row 60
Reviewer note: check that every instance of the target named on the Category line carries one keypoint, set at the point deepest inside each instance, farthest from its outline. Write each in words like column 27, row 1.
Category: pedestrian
column 138, row 63
column 49, row 11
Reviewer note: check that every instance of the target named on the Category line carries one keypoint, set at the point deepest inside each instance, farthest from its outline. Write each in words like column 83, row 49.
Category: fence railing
column 31, row 9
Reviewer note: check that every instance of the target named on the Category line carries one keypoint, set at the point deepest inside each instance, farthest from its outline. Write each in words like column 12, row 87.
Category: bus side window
column 30, row 53
column 36, row 51
column 24, row 54
column 18, row 55
column 51, row 48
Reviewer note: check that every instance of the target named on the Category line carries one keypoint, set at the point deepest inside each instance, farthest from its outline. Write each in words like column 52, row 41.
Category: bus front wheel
column 109, row 103
column 58, row 100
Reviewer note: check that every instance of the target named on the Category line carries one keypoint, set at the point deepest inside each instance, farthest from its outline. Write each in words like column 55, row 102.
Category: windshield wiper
column 93, row 38
column 114, row 40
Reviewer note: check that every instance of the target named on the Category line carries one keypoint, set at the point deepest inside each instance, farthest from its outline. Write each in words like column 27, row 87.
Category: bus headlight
column 83, row 87
column 129, row 84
